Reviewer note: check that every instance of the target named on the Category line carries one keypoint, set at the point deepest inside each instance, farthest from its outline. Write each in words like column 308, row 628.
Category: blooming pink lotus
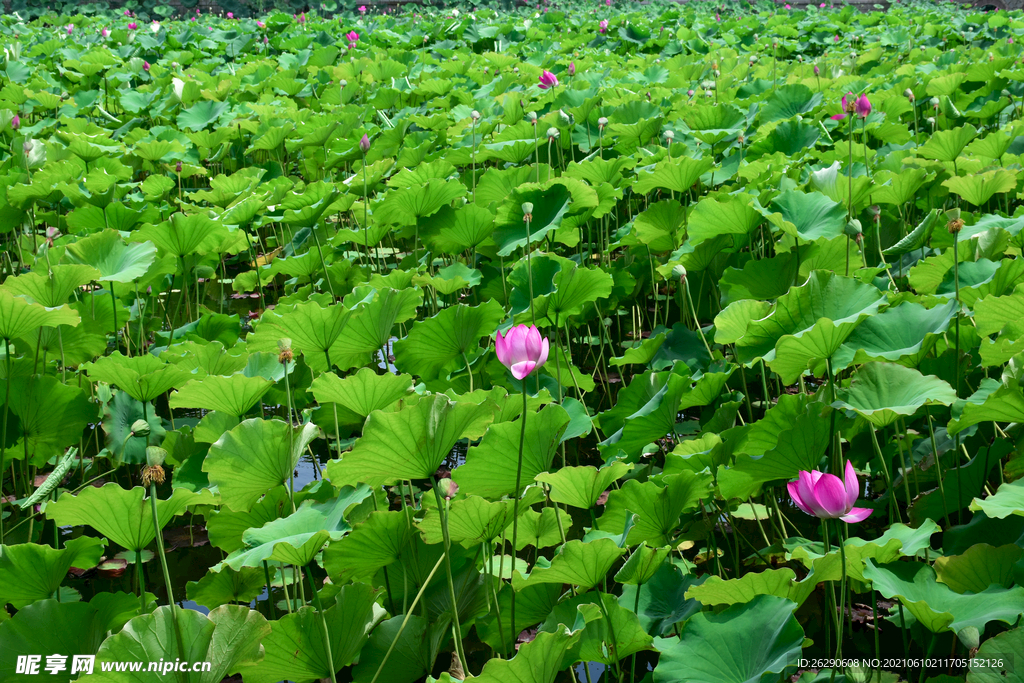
column 132, row 26
column 522, row 350
column 841, row 116
column 260, row 24
column 70, row 29
column 602, row 26
column 231, row 15
column 826, row 496
column 547, row 80
column 352, row 36
column 105, row 32
column 362, row 9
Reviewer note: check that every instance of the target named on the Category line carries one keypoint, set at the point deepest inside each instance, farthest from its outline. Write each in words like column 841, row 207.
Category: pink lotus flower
column 572, row 69
column 835, row 39
column 352, row 36
column 789, row 7
column 105, row 32
column 547, row 80
column 127, row 12
column 16, row 122
column 841, row 116
column 231, row 15
column 364, row 144
column 862, row 106
column 826, row 496
column 822, row 5
column 302, row 18
column 145, row 66
column 522, row 350
column 607, row 3
column 260, row 24
column 817, row 71
column 602, row 26
column 362, row 9
column 132, row 26
column 70, row 29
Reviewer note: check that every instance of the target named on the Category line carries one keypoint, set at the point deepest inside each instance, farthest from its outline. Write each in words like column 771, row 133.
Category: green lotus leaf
column 788, row 101
column 116, row 261
column 405, row 205
column 642, row 564
column 654, row 417
column 141, row 377
column 83, row 626
column 979, row 567
column 712, row 124
column 978, row 189
column 582, row 564
column 721, row 215
column 349, row 621
column 899, row 188
column 228, row 638
column 19, row 317
column 541, row 528
column 415, row 649
column 490, row 468
column 662, row 602
column 778, row 582
column 312, row 328
column 370, row 327
column 412, row 442
column 253, row 457
column 807, row 215
column 1006, row 404
column 574, row 288
column 297, row 538
column 451, row 279
column 31, row 572
column 538, row 661
column 1007, row 500
column 124, row 517
column 460, row 229
column 676, row 175
column 370, row 545
column 995, row 649
column 658, row 226
column 843, row 302
column 658, row 505
column 612, row 633
column 935, row 605
column 472, row 521
column 183, row 235
column 227, row 586
column 226, row 526
column 581, row 486
column 946, row 145
column 233, row 395
column 361, row 393
column 454, row 333
column 740, row 645
column 549, row 208
column 904, row 333
column 202, row 114
column 51, row 416
column 53, row 289
column 883, row 392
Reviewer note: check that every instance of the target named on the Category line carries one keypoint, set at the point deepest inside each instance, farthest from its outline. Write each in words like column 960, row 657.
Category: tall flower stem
column 529, row 268
column 163, row 566
column 442, row 510
column 515, row 509
column 323, row 623
column 849, row 202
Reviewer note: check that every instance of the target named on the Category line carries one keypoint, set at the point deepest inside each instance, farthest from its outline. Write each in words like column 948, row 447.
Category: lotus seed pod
column 934, row 102
column 532, row 116
column 155, row 456
column 527, row 208
column 853, row 228
column 602, row 122
column 448, row 488
column 475, row 115
column 669, row 135
column 679, row 272
column 343, row 83
column 140, row 428
column 284, row 347
column 552, row 133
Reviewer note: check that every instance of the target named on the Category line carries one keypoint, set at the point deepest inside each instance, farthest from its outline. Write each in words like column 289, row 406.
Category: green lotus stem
column 849, row 203
column 956, row 322
column 291, row 437
column 842, row 592
column 536, row 154
column 323, row 622
column 140, row 580
column 515, row 511
column 529, row 267
column 442, row 511
column 270, row 598
column 469, row 369
column 3, row 429
column 163, row 566
column 366, row 204
column 323, row 263
column 888, row 477
column 473, row 119
column 408, row 614
column 696, row 322
column 938, row 466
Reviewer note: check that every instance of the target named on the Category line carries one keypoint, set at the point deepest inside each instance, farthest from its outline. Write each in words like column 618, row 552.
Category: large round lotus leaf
column 410, row 443
column 883, row 392
column 229, row 638
column 124, row 517
column 349, row 619
column 115, row 261
column 233, row 395
column 83, row 626
column 255, row 456
column 739, row 645
column 30, row 572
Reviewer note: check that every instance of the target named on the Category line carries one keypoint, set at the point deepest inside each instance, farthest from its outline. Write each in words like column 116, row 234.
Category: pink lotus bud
column 572, row 69
column 127, row 12
column 231, row 15
column 547, row 80
column 177, row 168
column 145, row 66
column 16, row 122
column 602, row 25
column 862, row 106
column 260, row 24
column 105, row 32
column 522, row 350
column 132, row 26
column 70, row 29
column 817, row 71
column 364, row 144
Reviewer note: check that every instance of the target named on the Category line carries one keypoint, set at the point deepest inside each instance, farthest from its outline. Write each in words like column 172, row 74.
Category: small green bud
column 140, row 428
column 155, row 456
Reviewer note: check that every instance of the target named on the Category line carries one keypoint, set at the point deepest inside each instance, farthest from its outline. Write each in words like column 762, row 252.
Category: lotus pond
column 615, row 343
